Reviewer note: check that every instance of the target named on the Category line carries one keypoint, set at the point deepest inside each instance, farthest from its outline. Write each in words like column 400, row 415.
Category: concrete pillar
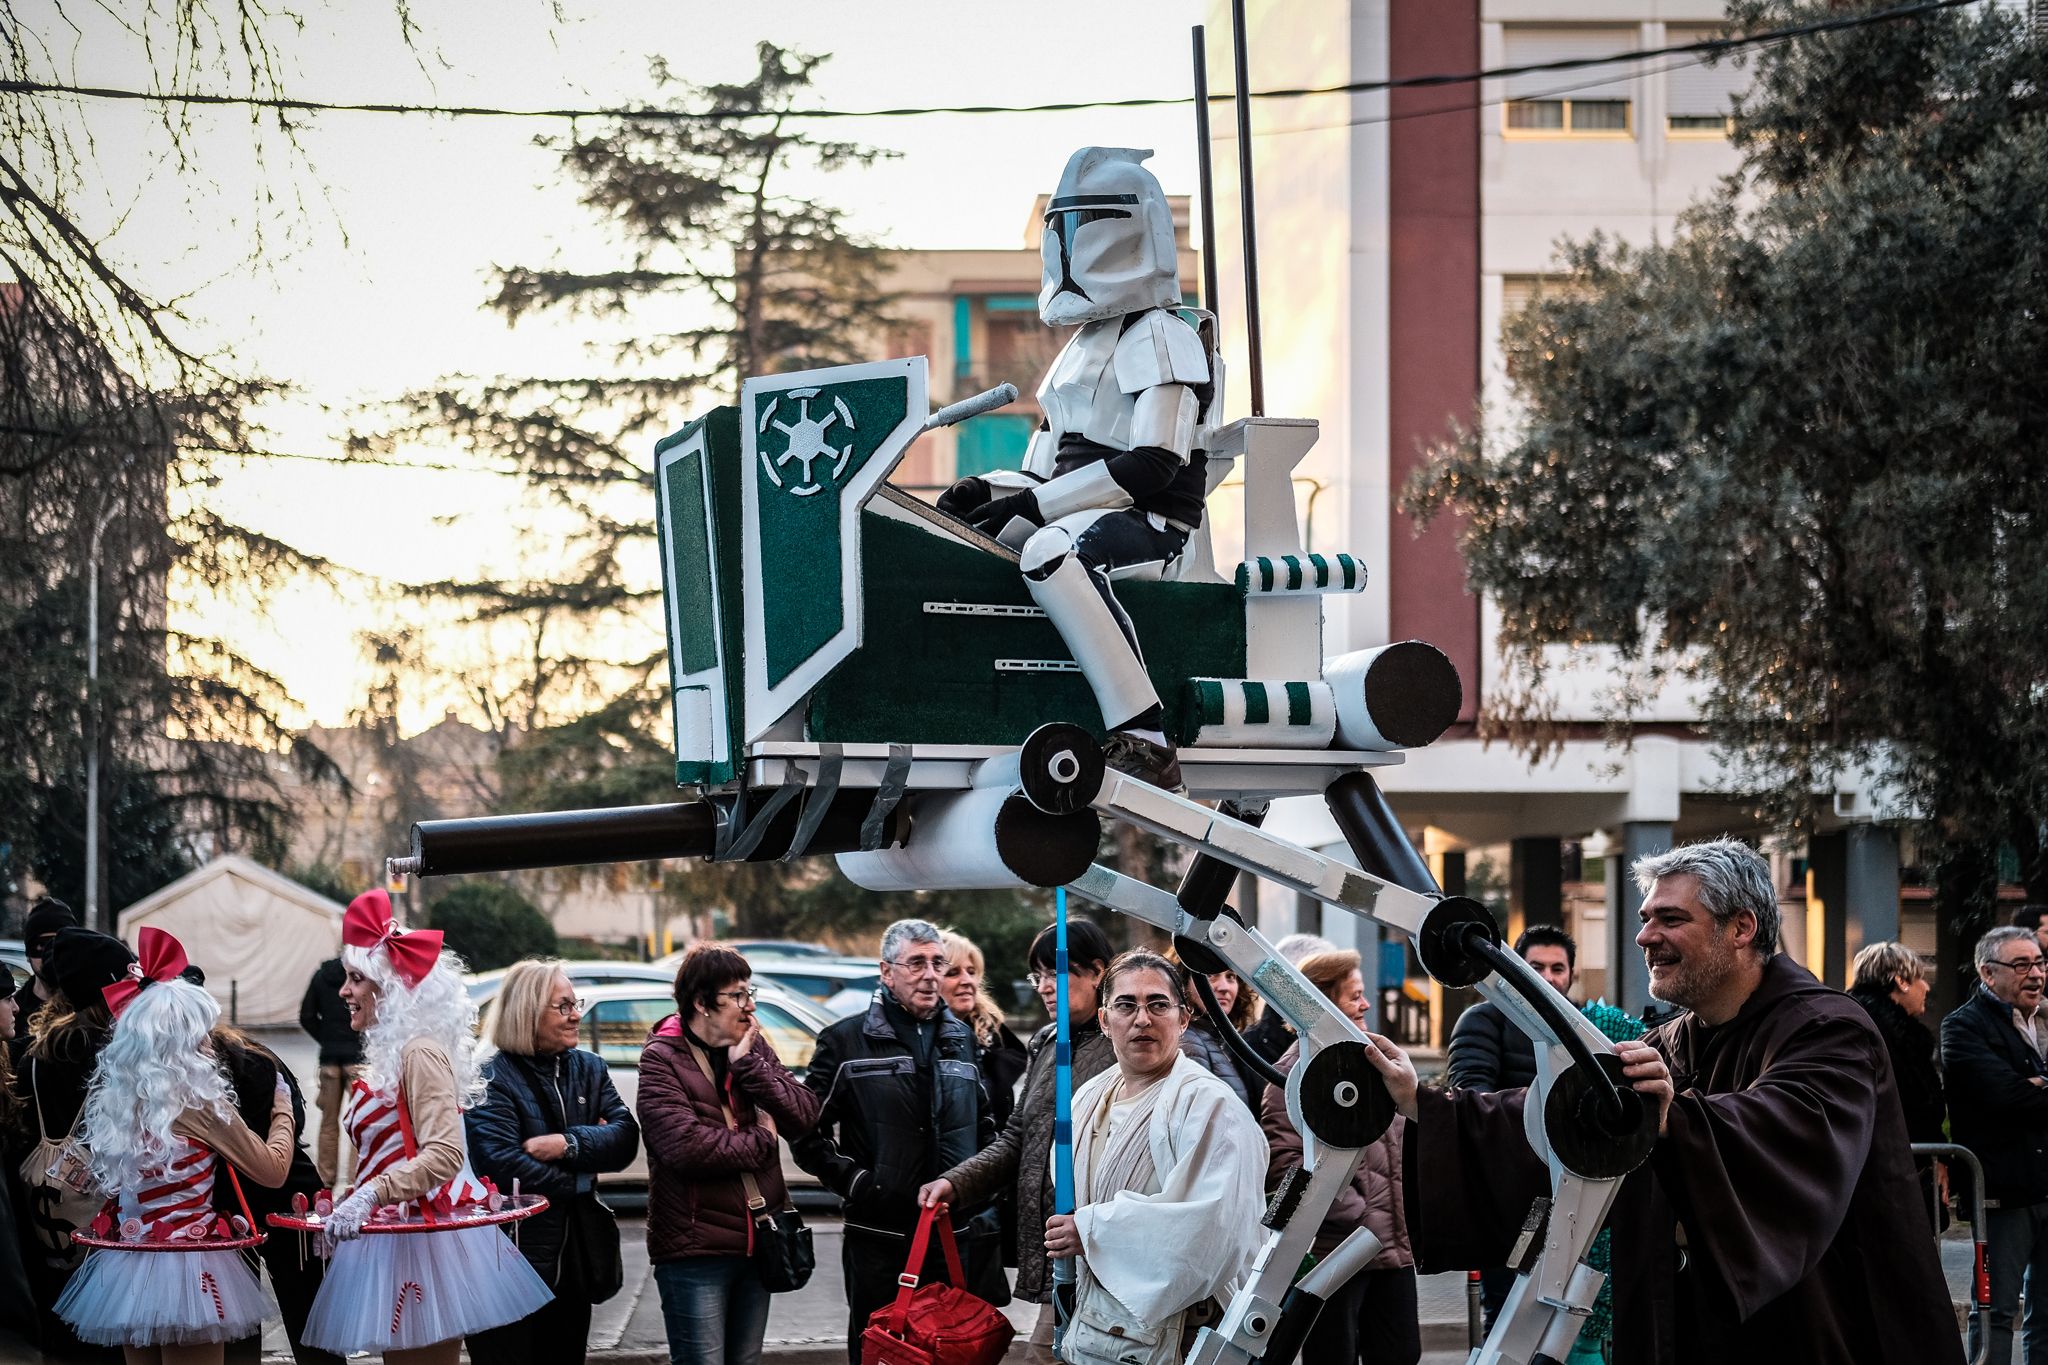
column 1827, row 902
column 1872, row 874
column 1628, row 980
column 1535, row 884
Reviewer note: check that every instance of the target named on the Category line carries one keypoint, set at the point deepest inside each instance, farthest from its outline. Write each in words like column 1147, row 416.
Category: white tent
column 256, row 934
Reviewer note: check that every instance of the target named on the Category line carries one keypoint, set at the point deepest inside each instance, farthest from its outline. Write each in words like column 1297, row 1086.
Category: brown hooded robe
column 1784, row 1172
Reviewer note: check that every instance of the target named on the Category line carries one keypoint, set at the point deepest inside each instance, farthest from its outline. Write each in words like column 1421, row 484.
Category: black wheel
column 1344, row 1102
column 1061, row 766
column 1442, row 946
column 1588, row 1139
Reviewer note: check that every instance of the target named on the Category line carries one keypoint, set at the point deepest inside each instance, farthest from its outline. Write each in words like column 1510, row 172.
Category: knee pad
column 1045, row 551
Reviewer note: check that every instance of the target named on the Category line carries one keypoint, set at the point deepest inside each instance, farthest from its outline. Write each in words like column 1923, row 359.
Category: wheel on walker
column 1061, row 767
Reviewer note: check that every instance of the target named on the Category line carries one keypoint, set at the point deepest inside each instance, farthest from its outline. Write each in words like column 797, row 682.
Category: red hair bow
column 162, row 958
column 369, row 924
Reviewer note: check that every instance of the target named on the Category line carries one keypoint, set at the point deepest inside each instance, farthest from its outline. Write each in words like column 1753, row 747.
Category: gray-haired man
column 1778, row 1217
column 1993, row 1048
column 904, row 1102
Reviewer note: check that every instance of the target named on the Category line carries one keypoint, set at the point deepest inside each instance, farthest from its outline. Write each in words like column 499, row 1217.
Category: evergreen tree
column 1795, row 452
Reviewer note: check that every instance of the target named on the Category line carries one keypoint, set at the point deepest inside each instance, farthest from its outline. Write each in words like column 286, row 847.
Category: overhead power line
column 1705, row 47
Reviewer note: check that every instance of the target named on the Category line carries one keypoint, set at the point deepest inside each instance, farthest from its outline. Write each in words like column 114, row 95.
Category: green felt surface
column 801, row 590
column 689, row 533
column 722, row 443
column 926, row 679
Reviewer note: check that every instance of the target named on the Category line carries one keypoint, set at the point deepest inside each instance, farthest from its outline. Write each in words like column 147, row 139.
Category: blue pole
column 1062, row 1113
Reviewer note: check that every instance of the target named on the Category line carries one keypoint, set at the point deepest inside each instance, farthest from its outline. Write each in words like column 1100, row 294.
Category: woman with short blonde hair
column 1891, row 982
column 527, row 990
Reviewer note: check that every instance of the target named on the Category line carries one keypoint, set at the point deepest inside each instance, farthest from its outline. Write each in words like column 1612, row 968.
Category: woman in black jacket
column 552, row 1121
column 1890, row 981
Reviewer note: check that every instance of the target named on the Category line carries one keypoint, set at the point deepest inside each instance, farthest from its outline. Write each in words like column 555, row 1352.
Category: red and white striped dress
column 412, row 1285
column 123, row 1297
column 175, row 1202
column 371, row 1120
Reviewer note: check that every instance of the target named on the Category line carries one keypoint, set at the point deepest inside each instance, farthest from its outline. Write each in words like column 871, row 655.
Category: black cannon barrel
column 620, row 834
column 1375, row 834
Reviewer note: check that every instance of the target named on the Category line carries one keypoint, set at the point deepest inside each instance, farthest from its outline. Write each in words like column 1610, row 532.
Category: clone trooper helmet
column 1108, row 246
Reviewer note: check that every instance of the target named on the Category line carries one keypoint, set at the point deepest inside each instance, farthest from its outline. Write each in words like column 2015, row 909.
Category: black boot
column 1153, row 764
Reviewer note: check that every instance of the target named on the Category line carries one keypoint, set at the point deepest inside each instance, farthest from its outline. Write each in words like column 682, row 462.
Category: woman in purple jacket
column 713, row 1098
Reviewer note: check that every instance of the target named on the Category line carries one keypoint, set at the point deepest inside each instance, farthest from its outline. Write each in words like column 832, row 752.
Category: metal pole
column 92, row 723
column 1207, row 174
column 1062, row 1114
column 1254, row 353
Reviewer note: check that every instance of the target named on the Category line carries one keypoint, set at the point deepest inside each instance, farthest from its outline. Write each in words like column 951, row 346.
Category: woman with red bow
column 415, row 1289
column 165, row 1281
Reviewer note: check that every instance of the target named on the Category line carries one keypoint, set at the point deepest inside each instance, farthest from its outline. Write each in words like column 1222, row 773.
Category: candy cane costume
column 416, row 1281
column 163, row 1269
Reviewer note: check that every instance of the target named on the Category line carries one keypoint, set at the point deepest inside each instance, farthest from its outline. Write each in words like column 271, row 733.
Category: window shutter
column 1697, row 90
column 1532, row 43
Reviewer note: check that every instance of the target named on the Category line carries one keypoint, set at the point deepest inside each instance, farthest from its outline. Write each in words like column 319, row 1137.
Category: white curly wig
column 152, row 1070
column 438, row 1009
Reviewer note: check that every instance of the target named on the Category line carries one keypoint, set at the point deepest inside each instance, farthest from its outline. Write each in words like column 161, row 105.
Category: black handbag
column 591, row 1269
column 783, row 1255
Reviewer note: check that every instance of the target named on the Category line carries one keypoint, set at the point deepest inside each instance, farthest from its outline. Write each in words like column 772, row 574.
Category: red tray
column 515, row 1209
column 87, row 1239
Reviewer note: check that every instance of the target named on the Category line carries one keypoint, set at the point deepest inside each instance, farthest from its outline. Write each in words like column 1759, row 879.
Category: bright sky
column 374, row 286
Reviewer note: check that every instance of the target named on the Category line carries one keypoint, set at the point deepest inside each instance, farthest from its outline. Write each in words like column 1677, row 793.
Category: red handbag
column 935, row 1324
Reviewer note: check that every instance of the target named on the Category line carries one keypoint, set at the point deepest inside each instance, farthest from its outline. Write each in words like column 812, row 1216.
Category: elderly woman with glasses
column 552, row 1121
column 1168, row 1170
column 714, row 1097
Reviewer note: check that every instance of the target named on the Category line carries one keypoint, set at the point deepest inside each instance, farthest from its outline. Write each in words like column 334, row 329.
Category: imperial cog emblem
column 805, row 440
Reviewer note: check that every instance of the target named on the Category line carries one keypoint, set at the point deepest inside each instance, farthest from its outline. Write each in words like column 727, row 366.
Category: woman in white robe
column 1168, row 1172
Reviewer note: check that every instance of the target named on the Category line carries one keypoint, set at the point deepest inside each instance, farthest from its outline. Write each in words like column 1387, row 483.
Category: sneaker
column 1153, row 764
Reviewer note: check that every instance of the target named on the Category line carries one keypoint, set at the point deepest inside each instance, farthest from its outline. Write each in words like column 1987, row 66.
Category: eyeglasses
column 2021, row 966
column 1123, row 1007
column 743, row 993
column 569, row 1009
column 918, row 966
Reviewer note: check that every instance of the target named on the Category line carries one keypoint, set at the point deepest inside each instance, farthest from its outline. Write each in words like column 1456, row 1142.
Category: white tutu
column 163, row 1298
column 395, row 1291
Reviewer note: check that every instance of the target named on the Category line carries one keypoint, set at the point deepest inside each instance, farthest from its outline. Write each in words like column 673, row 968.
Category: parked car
column 618, row 1016
column 594, row 972
column 751, row 948
column 14, row 957
column 840, row 985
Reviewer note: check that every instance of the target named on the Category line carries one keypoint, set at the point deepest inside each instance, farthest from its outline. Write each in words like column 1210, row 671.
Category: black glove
column 993, row 516
column 964, row 496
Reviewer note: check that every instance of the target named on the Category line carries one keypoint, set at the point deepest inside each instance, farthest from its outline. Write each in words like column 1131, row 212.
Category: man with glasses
column 1993, row 1048
column 903, row 1102
column 1169, row 1179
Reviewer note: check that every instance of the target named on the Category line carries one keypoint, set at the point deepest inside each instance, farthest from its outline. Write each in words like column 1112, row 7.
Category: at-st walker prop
column 857, row 674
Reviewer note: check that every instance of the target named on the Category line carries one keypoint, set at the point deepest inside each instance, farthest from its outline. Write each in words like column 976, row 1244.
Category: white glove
column 346, row 1222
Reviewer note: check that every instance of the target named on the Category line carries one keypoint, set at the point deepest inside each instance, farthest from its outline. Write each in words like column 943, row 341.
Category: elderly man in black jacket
column 903, row 1104
column 1994, row 1048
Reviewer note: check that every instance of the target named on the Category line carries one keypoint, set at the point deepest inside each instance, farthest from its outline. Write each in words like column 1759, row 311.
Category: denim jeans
column 2016, row 1245
column 715, row 1310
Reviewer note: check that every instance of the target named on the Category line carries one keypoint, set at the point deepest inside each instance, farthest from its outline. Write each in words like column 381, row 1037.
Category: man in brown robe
column 1778, row 1217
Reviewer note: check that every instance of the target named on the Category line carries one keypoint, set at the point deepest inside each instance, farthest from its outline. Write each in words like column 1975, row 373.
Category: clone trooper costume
column 1113, row 484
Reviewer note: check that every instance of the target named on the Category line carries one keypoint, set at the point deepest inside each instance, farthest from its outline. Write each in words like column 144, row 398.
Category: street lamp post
column 92, row 721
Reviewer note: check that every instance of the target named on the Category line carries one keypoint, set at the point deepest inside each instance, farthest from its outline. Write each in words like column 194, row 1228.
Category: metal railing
column 1980, row 1277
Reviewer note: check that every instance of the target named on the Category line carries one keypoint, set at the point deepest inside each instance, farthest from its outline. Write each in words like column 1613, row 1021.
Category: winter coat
column 1994, row 1107
column 696, row 1202
column 1020, row 1157
column 323, row 1015
column 1914, row 1068
column 1374, row 1195
column 569, row 1093
column 1201, row 1043
column 1270, row 1035
column 1489, row 1053
column 1001, row 1063
column 253, row 1070
column 890, row 1123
